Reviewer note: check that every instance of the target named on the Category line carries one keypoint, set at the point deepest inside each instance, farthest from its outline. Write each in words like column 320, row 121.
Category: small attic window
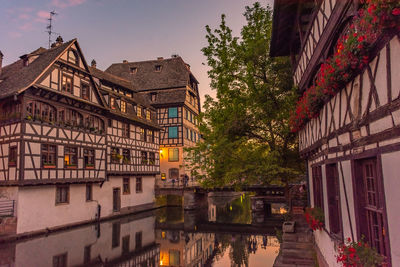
column 73, row 57
column 133, row 70
column 153, row 97
column 158, row 68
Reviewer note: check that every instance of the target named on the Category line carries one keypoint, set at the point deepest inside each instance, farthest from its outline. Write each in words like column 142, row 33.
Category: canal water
column 226, row 233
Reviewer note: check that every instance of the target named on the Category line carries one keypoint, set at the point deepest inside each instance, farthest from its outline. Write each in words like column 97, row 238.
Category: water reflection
column 225, row 234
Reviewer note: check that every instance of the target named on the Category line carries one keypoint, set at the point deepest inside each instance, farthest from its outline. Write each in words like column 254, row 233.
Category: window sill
column 49, row 166
column 12, row 165
column 138, row 192
column 128, row 193
column 89, row 167
column 71, row 167
column 62, row 203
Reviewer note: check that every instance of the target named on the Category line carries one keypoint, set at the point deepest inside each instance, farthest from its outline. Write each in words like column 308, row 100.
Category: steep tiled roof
column 120, row 82
column 162, row 97
column 174, row 73
column 16, row 77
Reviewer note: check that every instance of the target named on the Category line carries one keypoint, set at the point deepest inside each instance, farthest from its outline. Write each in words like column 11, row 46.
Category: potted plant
column 358, row 254
column 315, row 218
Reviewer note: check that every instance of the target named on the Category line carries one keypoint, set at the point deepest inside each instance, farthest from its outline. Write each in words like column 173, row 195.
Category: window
column 173, row 112
column 332, row 185
column 173, row 132
column 60, row 260
column 143, row 156
column 174, row 257
column 112, row 102
column 48, row 155
column 62, row 194
column 123, row 106
column 126, row 188
column 173, row 173
column 173, row 154
column 153, row 97
column 150, row 136
column 138, row 240
column 125, row 129
column 85, row 91
column 66, row 84
column 186, row 114
column 139, row 185
column 125, row 245
column 12, row 156
column 148, row 115
column 94, row 123
column 139, row 111
column 70, row 117
column 152, row 158
column 42, row 111
column 317, row 186
column 133, row 70
column 89, row 192
column 116, row 233
column 70, row 156
column 115, row 156
column 88, row 156
column 370, row 207
column 126, row 156
column 142, row 133
column 158, row 68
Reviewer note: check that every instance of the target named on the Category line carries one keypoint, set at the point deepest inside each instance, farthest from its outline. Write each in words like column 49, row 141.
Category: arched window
column 11, row 110
column 41, row 111
column 70, row 117
column 94, row 122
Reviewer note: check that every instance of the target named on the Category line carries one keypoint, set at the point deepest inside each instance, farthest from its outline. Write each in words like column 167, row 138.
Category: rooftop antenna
column 49, row 26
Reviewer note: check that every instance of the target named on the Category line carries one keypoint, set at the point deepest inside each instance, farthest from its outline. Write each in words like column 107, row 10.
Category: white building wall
column 391, row 181
column 37, row 209
column 104, row 195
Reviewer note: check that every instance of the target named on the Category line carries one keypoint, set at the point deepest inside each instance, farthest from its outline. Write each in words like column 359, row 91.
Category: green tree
column 246, row 136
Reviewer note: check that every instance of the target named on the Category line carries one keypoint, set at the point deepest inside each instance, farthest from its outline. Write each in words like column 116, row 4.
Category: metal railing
column 7, row 208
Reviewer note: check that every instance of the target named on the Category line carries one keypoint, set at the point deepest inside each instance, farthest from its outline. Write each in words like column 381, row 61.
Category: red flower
column 396, row 11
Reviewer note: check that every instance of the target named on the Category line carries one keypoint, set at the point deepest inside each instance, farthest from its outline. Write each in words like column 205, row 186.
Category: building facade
column 67, row 154
column 352, row 142
column 171, row 88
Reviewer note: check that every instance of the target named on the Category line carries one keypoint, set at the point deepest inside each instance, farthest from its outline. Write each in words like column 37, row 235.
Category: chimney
column 58, row 42
column 160, row 58
column 93, row 63
column 1, row 61
column 125, row 61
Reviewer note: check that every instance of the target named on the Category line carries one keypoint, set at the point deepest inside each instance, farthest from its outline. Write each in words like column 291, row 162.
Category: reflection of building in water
column 179, row 248
column 212, row 212
column 116, row 243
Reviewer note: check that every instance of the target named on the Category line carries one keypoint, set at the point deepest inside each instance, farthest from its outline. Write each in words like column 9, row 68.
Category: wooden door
column 116, row 199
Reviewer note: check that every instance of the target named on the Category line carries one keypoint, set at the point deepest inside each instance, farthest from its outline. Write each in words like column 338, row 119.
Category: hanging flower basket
column 358, row 254
column 315, row 218
column 352, row 54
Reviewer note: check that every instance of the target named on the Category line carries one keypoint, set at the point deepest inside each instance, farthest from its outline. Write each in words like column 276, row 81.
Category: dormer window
column 133, row 70
column 72, row 57
column 123, row 106
column 158, row 68
column 139, row 111
column 153, row 97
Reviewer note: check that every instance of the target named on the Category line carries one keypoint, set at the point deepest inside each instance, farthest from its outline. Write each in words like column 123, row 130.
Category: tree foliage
column 246, row 137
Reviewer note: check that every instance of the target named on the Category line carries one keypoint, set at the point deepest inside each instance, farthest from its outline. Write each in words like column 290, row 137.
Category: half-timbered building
column 352, row 144
column 66, row 155
column 171, row 88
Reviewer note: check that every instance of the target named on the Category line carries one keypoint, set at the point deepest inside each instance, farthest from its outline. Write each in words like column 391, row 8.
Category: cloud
column 67, row 3
column 42, row 16
column 14, row 35
column 26, row 26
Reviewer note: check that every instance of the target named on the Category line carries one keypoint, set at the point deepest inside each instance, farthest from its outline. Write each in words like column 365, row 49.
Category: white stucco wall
column 37, row 209
column 391, row 180
column 104, row 195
